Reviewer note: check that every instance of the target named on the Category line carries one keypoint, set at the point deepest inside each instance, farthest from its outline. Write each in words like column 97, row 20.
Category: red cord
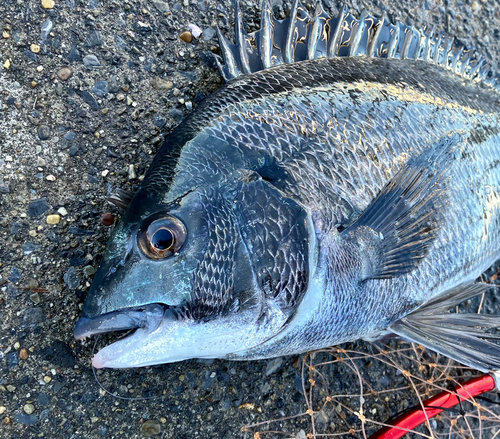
column 412, row 418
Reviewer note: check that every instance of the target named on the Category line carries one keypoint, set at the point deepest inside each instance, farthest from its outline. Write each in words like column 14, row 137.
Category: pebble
column 24, row 354
column 186, row 36
column 70, row 136
column 176, row 114
column 32, row 56
column 41, row 162
column 273, row 366
column 131, row 172
column 90, row 100
column 50, row 177
column 32, row 317
column 35, row 298
column 38, row 207
column 161, row 84
column 45, row 29
column 35, row 48
column 15, row 275
column 12, row 359
column 64, row 73
column 89, row 270
column 47, row 379
column 208, row 34
column 43, row 399
column 26, row 419
column 29, row 408
column 100, row 88
column 91, row 61
column 62, row 211
column 195, row 30
column 120, row 42
column 151, row 428
column 39, row 69
column 161, row 6
column 74, row 55
column 48, row 4
column 94, row 39
column 71, row 279
column 108, row 219
column 6, row 64
column 53, row 219
column 29, row 248
column 43, row 132
column 159, row 121
column 3, row 409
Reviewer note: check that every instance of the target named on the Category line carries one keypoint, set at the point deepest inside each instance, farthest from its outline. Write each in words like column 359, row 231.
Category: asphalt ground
column 88, row 91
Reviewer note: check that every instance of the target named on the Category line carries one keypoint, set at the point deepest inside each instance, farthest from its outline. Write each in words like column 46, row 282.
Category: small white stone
column 131, row 172
column 62, row 211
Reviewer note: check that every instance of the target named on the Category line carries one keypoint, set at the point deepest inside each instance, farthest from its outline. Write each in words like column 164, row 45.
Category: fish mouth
column 147, row 317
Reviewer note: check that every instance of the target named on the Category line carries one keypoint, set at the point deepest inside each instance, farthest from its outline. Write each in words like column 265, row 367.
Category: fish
column 343, row 184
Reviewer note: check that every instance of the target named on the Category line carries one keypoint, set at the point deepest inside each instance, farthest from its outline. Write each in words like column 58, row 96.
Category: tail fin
column 467, row 338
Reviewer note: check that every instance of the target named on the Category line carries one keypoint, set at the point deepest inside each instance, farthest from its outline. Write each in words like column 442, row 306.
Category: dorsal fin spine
column 315, row 31
column 371, row 47
column 266, row 35
column 356, row 38
column 393, row 42
column 333, row 47
column 240, row 40
column 229, row 59
column 288, row 55
column 305, row 36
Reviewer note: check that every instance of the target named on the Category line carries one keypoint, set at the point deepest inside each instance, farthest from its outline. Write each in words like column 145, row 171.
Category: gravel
column 112, row 79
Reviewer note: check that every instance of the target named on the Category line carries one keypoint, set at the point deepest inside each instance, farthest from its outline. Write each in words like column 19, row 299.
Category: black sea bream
column 343, row 184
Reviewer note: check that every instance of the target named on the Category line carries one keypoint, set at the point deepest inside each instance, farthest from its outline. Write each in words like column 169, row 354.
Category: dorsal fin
column 305, row 36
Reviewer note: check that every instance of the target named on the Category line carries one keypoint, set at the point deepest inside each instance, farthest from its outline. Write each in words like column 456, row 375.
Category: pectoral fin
column 397, row 228
column 468, row 338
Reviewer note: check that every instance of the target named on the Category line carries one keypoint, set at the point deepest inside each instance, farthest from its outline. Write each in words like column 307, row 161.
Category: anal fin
column 468, row 338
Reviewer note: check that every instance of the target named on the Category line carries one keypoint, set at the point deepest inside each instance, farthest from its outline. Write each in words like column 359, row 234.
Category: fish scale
column 343, row 184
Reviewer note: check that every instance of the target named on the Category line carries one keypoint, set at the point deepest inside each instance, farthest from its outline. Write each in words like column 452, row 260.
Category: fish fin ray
column 464, row 337
column 314, row 35
column 120, row 198
column 397, row 228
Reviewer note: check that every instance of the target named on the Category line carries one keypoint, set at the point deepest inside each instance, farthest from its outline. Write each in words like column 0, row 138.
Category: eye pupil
column 163, row 239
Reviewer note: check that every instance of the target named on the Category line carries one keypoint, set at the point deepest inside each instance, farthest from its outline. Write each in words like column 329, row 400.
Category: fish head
column 201, row 277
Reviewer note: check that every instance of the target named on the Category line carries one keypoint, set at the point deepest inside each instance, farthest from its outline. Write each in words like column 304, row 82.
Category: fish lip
column 148, row 316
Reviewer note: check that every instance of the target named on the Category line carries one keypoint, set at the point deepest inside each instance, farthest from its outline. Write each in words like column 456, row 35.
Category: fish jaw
column 176, row 339
column 148, row 316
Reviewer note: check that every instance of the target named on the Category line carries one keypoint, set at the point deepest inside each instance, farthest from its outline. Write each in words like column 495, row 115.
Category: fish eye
column 162, row 237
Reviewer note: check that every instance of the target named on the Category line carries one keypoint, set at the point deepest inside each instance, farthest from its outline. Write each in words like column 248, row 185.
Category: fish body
column 311, row 201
